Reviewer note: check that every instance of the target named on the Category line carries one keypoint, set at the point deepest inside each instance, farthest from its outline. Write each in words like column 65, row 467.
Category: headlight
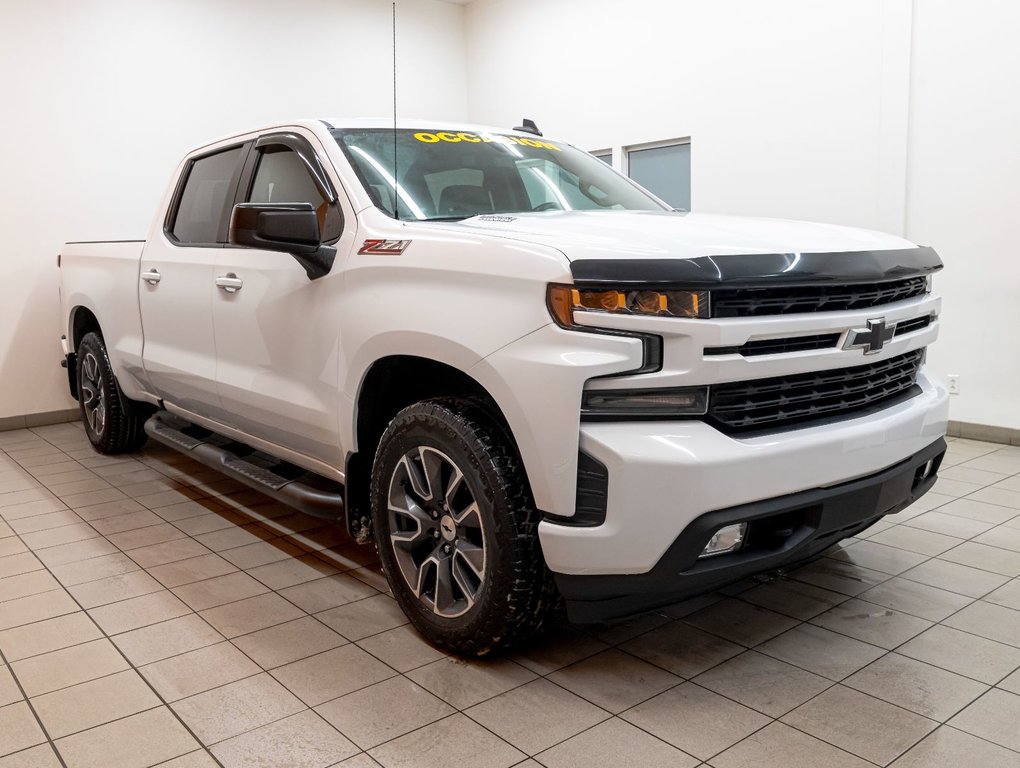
column 565, row 300
column 646, row 403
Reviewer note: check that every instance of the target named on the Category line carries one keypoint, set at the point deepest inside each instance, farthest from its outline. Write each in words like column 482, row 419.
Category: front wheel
column 456, row 529
column 113, row 423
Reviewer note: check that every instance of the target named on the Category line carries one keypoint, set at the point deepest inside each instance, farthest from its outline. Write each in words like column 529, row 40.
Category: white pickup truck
column 522, row 375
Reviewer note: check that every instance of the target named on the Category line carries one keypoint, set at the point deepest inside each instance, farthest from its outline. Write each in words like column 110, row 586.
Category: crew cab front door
column 277, row 331
column 176, row 282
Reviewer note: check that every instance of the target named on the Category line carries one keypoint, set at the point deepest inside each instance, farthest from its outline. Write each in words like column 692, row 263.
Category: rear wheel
column 456, row 529
column 113, row 423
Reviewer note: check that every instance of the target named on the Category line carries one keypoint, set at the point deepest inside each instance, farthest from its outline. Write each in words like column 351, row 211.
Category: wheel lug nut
column 446, row 549
column 435, row 534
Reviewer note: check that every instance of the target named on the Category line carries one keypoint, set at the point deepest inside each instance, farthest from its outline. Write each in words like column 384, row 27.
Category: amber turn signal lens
column 565, row 300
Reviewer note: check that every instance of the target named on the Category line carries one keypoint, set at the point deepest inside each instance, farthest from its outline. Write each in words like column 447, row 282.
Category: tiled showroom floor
column 152, row 612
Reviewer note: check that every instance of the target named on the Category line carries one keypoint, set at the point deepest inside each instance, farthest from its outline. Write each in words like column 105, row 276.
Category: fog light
column 726, row 539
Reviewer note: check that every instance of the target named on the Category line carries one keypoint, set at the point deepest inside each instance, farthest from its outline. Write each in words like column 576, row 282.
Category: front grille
column 751, row 302
column 778, row 346
column 769, row 403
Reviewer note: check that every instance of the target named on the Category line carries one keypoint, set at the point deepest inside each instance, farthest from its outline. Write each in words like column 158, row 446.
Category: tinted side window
column 282, row 178
column 205, row 201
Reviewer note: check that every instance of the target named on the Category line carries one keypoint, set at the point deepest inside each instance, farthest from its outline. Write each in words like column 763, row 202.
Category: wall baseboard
column 1003, row 435
column 8, row 423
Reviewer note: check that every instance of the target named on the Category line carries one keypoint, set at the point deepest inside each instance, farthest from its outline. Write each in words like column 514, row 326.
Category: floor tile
column 137, row 538
column 27, row 610
column 251, row 614
column 998, row 496
column 763, row 683
column 695, row 720
column 29, row 526
column 1005, row 536
column 141, row 740
column 167, row 552
column 68, row 666
column 23, row 562
column 198, row 671
column 166, row 639
column 191, row 570
column 880, row 557
column 918, row 540
column 988, row 620
column 384, row 711
column 287, row 573
column 325, row 593
column 556, row 649
column 137, row 612
column 612, row 744
column 740, row 622
column 303, row 740
column 294, row 640
column 780, row 746
column 197, row 759
column 871, row 623
column 954, row 577
column 916, row 599
column 112, row 589
column 87, row 705
column 536, row 715
column 401, row 648
column 964, row 653
column 126, row 522
column 343, row 670
column 682, row 649
column 94, row 569
column 993, row 717
column 820, row 651
column 860, row 724
column 9, row 691
column 950, row 748
column 914, row 685
column 466, row 683
column 942, row 522
column 219, row 590
column 48, row 635
column 793, row 598
column 994, row 559
column 18, row 728
column 233, row 709
column 26, row 584
column 456, row 740
column 981, row 511
column 614, row 680
column 839, row 576
column 1011, row 683
column 366, row 617
column 41, row 756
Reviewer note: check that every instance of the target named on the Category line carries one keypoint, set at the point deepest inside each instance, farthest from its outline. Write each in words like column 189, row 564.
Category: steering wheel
column 547, row 206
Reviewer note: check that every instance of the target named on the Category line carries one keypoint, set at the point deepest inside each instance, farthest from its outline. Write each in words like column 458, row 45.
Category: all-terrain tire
column 489, row 601
column 113, row 423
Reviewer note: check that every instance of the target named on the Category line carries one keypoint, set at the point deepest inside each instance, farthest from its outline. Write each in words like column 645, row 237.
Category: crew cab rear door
column 176, row 282
column 277, row 331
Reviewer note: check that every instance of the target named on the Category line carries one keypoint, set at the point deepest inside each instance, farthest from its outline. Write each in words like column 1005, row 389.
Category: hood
column 581, row 235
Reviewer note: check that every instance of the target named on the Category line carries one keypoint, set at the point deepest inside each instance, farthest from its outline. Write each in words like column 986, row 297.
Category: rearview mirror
column 286, row 227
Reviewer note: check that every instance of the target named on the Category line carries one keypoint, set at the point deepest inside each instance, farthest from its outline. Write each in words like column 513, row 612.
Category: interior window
column 204, row 206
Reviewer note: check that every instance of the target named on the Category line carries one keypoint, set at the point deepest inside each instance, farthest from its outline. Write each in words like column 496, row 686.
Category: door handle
column 152, row 276
column 229, row 282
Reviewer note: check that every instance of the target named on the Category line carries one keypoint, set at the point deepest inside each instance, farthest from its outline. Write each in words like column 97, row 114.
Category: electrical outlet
column 954, row 383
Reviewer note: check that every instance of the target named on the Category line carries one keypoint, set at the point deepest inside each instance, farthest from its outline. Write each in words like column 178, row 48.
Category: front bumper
column 782, row 531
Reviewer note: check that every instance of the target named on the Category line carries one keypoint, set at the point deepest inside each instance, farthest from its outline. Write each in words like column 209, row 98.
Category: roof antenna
column 528, row 126
column 396, row 196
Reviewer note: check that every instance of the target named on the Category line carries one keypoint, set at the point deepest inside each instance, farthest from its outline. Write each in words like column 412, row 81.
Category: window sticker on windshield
column 487, row 138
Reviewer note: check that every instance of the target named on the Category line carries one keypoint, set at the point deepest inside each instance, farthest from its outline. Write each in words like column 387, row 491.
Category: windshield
column 445, row 175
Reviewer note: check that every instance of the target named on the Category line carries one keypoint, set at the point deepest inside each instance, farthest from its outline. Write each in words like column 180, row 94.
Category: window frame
column 679, row 142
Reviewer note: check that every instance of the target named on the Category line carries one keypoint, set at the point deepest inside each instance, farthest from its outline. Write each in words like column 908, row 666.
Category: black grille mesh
column 751, row 302
column 767, row 403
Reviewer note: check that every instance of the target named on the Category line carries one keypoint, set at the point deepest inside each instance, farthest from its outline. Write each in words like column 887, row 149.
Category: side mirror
column 286, row 227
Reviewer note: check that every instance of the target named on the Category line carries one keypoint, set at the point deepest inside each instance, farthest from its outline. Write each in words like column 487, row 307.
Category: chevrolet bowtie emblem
column 872, row 338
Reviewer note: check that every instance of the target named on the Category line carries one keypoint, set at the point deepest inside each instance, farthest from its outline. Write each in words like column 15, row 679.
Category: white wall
column 964, row 194
column 888, row 114
column 101, row 99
